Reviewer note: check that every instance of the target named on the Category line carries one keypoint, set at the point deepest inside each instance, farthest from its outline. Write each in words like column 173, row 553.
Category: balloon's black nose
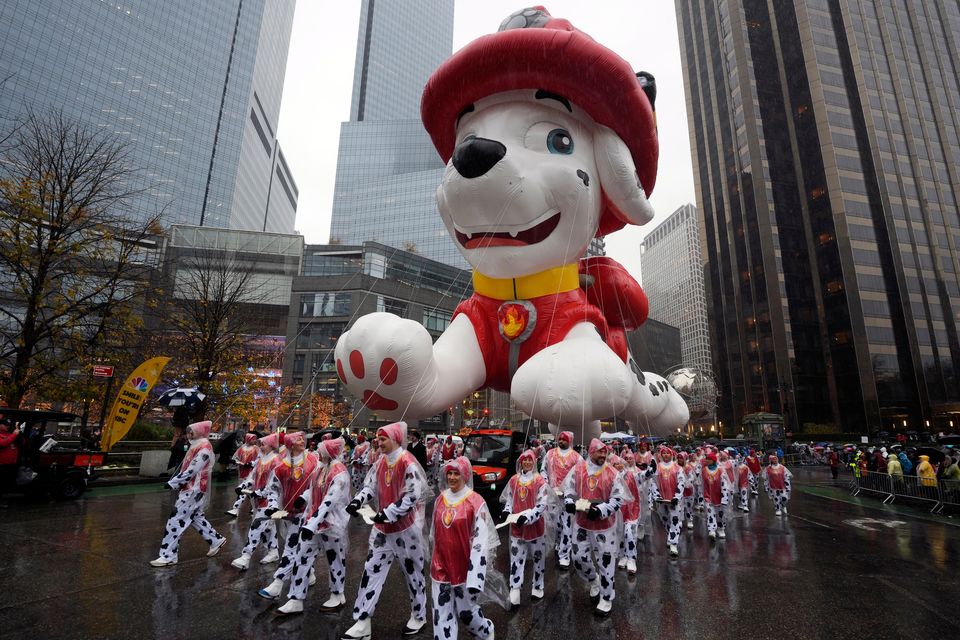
column 475, row 156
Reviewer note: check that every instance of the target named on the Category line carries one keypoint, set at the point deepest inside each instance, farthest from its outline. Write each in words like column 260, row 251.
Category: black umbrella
column 188, row 397
column 712, row 441
column 936, row 455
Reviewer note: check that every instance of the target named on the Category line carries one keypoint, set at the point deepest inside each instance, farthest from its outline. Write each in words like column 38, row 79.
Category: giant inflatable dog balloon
column 550, row 140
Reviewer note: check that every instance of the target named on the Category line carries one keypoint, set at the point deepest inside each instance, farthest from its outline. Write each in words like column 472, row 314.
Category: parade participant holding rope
column 398, row 486
column 526, row 497
column 246, row 459
column 464, row 540
column 666, row 491
column 324, row 527
column 194, row 483
column 557, row 464
column 776, row 483
column 595, row 491
column 263, row 529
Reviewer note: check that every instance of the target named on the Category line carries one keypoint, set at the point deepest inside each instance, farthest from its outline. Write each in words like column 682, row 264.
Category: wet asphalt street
column 837, row 567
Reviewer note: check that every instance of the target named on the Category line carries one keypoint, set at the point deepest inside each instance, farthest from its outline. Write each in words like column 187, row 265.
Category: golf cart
column 45, row 466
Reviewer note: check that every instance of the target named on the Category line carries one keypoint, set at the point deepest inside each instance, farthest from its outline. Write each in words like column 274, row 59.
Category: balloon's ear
column 618, row 178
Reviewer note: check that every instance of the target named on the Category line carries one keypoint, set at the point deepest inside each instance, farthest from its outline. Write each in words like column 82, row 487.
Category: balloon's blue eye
column 560, row 141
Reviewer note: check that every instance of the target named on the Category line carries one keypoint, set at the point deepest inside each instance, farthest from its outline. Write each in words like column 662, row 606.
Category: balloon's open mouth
column 533, row 235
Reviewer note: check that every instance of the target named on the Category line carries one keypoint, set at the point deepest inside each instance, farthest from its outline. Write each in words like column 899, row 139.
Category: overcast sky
column 317, row 91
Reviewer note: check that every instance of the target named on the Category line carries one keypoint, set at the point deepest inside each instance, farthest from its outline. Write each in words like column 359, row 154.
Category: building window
column 319, row 335
column 436, row 321
column 389, row 305
column 316, row 305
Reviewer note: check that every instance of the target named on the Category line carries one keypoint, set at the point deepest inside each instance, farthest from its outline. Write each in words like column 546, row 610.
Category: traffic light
column 486, row 412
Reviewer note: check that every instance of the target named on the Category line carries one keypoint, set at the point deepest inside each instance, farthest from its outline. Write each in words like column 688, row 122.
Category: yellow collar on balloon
column 546, row 283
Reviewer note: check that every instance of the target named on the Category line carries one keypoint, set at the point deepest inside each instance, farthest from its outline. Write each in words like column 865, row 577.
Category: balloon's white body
column 573, row 383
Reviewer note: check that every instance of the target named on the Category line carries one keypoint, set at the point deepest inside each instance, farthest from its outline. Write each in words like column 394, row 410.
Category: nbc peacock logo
column 139, row 384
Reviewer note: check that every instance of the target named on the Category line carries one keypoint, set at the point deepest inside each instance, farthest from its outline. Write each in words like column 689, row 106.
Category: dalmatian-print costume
column 324, row 528
column 193, row 481
column 292, row 478
column 745, row 480
column 635, row 512
column 462, row 532
column 753, row 462
column 594, row 532
column 690, row 483
column 358, row 467
column 397, row 482
column 666, row 491
column 246, row 460
column 557, row 465
column 717, row 489
column 263, row 529
column 527, row 494
column 776, row 484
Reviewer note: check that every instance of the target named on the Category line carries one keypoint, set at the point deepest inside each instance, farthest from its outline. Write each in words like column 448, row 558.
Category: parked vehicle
column 493, row 454
column 44, row 465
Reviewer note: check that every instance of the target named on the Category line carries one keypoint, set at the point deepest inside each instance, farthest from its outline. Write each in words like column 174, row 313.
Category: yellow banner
column 130, row 398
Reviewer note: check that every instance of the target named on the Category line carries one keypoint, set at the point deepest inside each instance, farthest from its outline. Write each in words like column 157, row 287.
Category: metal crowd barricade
column 949, row 495
column 917, row 488
column 873, row 482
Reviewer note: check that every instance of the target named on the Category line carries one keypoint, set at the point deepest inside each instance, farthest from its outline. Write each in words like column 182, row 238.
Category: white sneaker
column 595, row 588
column 712, row 535
column 515, row 597
column 334, row 602
column 292, row 606
column 564, row 562
column 233, row 512
column 689, row 524
column 272, row 591
column 722, row 534
column 272, row 556
column 312, row 580
column 413, row 626
column 359, row 631
column 622, row 564
column 784, row 511
column 215, row 547
column 746, row 509
column 242, row 563
column 604, row 606
column 674, row 552
column 162, row 562
column 536, row 594
column 632, row 566
column 779, row 513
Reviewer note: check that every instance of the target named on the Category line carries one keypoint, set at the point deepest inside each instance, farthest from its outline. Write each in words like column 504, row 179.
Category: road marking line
column 819, row 524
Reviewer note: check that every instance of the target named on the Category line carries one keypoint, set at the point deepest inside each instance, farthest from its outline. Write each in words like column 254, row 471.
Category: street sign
column 102, row 371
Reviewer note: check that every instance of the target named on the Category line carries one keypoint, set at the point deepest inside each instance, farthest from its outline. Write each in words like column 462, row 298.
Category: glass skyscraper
column 827, row 165
column 387, row 169
column 673, row 281
column 194, row 87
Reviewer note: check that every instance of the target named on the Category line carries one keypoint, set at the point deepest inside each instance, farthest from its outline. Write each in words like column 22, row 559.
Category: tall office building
column 827, row 167
column 673, row 281
column 387, row 169
column 194, row 87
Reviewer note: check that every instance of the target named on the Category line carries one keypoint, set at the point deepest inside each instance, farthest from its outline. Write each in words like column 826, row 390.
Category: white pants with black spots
column 519, row 550
column 306, row 555
column 187, row 512
column 453, row 604
column 564, row 532
column 698, row 496
column 671, row 517
column 753, row 484
column 243, row 497
column 406, row 546
column 628, row 546
column 715, row 517
column 780, row 498
column 588, row 544
column 263, row 530
column 292, row 534
column 688, row 508
column 745, row 497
